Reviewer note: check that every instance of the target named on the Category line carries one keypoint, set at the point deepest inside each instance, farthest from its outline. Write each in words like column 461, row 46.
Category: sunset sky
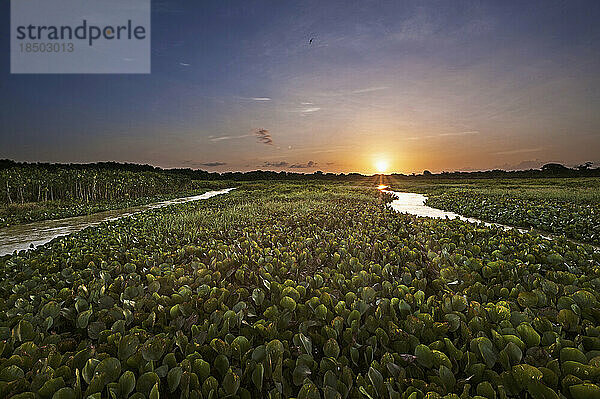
column 438, row 85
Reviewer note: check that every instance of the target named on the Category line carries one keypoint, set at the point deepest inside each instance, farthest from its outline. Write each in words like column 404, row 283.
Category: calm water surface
column 16, row 238
column 414, row 204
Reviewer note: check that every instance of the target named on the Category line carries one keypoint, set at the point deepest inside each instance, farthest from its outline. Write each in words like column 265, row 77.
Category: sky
column 412, row 85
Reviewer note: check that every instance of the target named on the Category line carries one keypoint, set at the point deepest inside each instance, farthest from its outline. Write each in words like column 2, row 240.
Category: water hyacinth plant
column 299, row 291
column 569, row 207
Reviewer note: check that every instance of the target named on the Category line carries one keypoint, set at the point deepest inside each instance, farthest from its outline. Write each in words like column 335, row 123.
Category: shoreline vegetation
column 554, row 199
column 300, row 290
column 558, row 206
column 15, row 214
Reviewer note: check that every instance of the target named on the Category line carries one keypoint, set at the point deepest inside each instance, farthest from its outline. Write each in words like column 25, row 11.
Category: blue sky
column 237, row 86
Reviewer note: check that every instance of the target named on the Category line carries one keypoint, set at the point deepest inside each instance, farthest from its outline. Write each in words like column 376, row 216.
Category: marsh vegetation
column 299, row 290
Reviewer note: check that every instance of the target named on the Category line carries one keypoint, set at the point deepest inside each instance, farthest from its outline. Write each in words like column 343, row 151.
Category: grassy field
column 299, row 290
column 569, row 207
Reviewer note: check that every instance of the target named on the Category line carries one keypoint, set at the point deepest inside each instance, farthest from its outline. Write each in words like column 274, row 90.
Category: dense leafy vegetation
column 33, row 184
column 580, row 221
column 31, row 212
column 308, row 291
column 41, row 191
column 553, row 205
column 31, row 193
column 576, row 190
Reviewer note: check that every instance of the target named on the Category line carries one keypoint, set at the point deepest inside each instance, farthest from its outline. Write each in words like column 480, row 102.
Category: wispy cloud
column 329, row 150
column 350, row 92
column 255, row 98
column 309, row 164
column 208, row 164
column 285, row 164
column 433, row 136
column 222, row 138
column 519, row 151
column 370, row 89
column 310, row 109
column 264, row 136
column 467, row 133
column 523, row 165
column 276, row 164
column 306, row 109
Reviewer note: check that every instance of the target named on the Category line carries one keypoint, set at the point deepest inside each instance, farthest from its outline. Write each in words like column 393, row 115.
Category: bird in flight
column 311, row 40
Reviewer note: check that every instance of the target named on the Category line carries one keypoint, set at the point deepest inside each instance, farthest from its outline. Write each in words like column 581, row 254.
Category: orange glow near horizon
column 381, row 165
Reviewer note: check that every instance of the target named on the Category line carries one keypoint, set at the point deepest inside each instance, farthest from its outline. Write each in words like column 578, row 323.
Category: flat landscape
column 562, row 206
column 389, row 199
column 315, row 289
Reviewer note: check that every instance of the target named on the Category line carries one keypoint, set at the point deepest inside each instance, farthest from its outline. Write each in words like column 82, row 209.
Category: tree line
column 22, row 182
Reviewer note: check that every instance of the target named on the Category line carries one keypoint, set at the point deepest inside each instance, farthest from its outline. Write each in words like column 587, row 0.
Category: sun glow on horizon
column 381, row 165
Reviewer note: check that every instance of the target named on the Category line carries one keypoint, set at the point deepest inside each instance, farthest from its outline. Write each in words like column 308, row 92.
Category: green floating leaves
column 424, row 356
column 23, row 331
column 50, row 387
column 486, row 350
column 376, row 379
column 126, row 383
column 306, row 343
column 309, row 391
column 447, row 377
column 83, row 319
column 331, row 348
column 65, row 393
column 231, row 383
column 89, row 369
column 11, row 373
column 153, row 348
column 307, row 290
column 146, row 382
column 584, row 391
column 109, row 369
column 173, row 378
column 128, row 346
column 257, row 376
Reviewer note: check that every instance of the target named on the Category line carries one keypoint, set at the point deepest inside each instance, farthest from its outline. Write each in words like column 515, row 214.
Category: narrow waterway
column 24, row 236
column 414, row 204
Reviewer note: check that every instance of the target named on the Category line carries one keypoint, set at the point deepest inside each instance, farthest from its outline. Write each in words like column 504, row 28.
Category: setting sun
column 381, row 166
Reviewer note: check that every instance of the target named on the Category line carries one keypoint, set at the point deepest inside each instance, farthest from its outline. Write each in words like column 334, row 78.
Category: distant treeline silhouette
column 22, row 182
column 547, row 170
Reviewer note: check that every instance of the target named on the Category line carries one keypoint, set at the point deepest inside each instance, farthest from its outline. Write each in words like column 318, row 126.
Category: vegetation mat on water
column 579, row 221
column 307, row 291
column 559, row 206
column 16, row 213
